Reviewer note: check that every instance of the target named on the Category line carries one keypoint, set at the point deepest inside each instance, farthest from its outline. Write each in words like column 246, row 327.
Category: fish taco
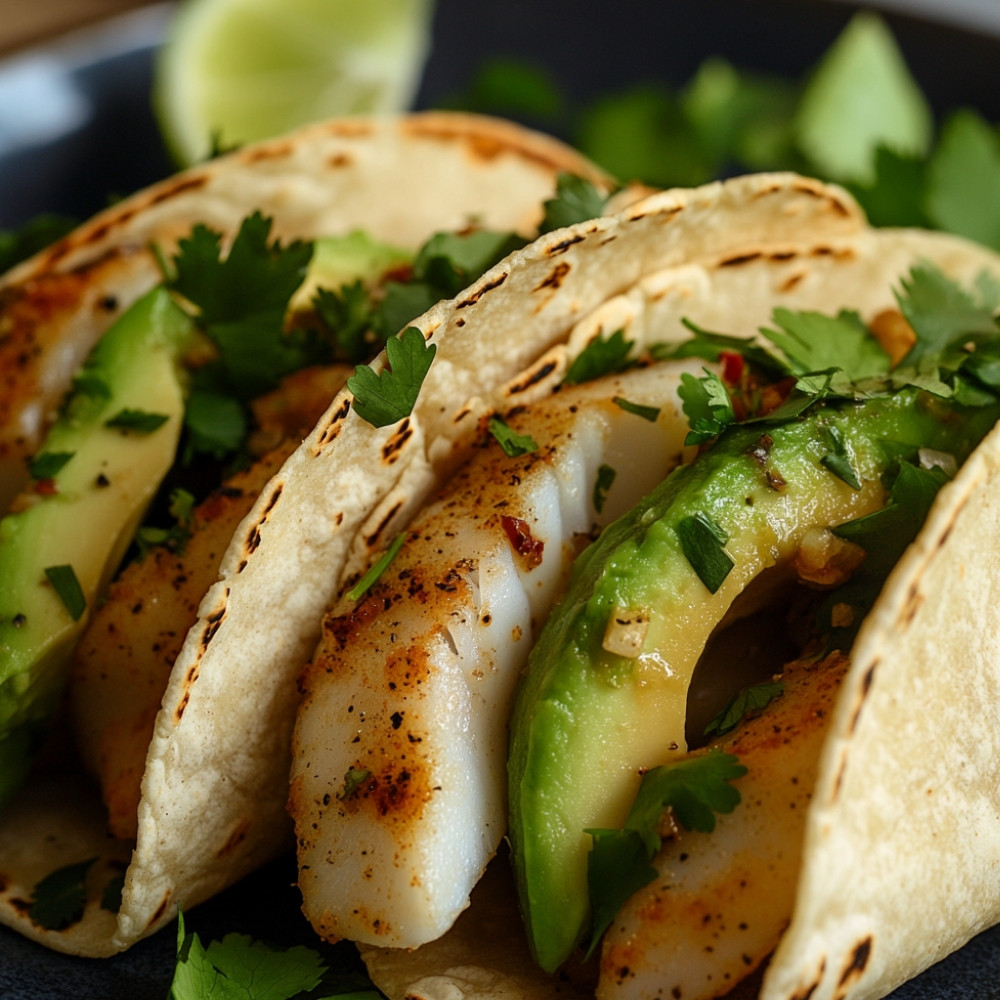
column 673, row 615
column 159, row 365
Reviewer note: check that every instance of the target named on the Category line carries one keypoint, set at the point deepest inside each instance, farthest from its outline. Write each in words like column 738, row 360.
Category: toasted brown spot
column 791, row 281
column 236, row 838
column 533, row 378
column 274, row 151
column 914, row 601
column 478, row 292
column 179, row 187
column 160, row 910
column 332, row 428
column 340, row 160
column 563, row 245
column 555, row 278
column 741, row 258
column 373, row 539
column 866, row 686
column 392, row 448
column 855, row 968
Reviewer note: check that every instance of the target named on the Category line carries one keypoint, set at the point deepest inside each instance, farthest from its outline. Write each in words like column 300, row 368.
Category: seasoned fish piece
column 722, row 900
column 398, row 785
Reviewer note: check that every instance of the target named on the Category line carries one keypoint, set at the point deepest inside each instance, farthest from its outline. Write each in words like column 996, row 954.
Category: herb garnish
column 752, row 699
column 48, row 464
column 575, row 200
column 602, row 485
column 58, row 900
column 139, row 421
column 702, row 541
column 602, row 356
column 377, row 569
column 388, row 396
column 650, row 413
column 65, row 583
column 694, row 790
column 513, row 444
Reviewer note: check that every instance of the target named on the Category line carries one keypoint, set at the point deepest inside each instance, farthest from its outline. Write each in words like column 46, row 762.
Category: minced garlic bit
column 626, row 632
column 825, row 560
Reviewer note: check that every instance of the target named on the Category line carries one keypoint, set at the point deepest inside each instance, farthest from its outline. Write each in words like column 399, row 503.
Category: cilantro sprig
column 386, row 397
column 240, row 967
column 694, row 790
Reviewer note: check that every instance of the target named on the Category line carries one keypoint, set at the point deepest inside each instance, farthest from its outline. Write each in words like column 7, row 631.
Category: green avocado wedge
column 605, row 695
column 99, row 468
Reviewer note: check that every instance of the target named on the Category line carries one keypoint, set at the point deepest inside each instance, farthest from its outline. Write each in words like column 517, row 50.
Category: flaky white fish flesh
column 399, row 782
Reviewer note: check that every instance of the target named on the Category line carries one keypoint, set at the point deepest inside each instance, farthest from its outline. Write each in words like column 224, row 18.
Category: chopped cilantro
column 837, row 460
column 48, row 464
column 139, row 421
column 216, row 424
column 353, row 780
column 58, row 900
column 650, row 413
column 602, row 356
column 388, row 396
column 449, row 262
column 707, row 405
column 377, row 569
column 742, row 704
column 67, row 586
column 575, row 200
column 702, row 541
column 347, row 314
column 513, row 444
column 602, row 486
column 694, row 790
column 175, row 537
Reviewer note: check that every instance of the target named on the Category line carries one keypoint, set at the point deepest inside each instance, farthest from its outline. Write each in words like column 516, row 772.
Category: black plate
column 88, row 135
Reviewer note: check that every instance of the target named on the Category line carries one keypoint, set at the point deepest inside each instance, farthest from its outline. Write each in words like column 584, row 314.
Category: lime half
column 234, row 71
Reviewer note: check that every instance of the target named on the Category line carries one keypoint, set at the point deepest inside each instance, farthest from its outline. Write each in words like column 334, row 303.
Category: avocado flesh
column 90, row 516
column 586, row 722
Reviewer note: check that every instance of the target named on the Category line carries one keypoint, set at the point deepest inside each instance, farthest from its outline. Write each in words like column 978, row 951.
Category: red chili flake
column 46, row 487
column 520, row 537
column 732, row 367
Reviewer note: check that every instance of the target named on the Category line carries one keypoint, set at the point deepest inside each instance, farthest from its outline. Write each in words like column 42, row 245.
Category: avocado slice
column 605, row 694
column 99, row 468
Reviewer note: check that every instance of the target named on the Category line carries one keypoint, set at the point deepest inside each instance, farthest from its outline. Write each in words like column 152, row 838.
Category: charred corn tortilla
column 207, row 819
column 900, row 840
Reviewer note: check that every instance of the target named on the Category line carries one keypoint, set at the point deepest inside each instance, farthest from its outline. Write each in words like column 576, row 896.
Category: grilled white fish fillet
column 398, row 786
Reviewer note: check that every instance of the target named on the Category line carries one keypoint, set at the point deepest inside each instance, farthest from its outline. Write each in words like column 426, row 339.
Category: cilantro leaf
column 602, row 485
column 48, row 464
column 694, row 790
column 943, row 314
column 816, row 342
column 66, row 584
column 241, row 300
column 575, row 200
column 884, row 535
column 602, row 356
column 707, row 404
column 348, row 315
column 216, row 424
column 743, row 703
column 451, row 261
column 513, row 444
column 388, row 396
column 702, row 541
column 896, row 195
column 58, row 900
column 239, row 968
